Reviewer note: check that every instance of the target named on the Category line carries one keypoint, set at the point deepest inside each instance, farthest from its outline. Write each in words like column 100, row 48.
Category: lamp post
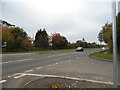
column 115, row 60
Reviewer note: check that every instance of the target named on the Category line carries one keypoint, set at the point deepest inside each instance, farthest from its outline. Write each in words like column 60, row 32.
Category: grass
column 104, row 55
column 41, row 51
column 45, row 51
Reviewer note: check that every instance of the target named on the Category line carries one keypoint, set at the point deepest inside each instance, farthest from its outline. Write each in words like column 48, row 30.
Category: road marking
column 49, row 65
column 39, row 67
column 20, row 76
column 56, row 55
column 13, row 75
column 77, row 57
column 65, row 77
column 23, row 60
column 2, row 81
column 54, row 64
column 29, row 70
column 6, row 62
column 69, row 60
column 17, row 61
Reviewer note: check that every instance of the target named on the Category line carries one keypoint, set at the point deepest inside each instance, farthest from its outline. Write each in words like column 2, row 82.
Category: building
column 5, row 24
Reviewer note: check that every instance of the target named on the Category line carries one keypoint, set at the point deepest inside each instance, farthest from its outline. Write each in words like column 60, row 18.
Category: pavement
column 21, row 69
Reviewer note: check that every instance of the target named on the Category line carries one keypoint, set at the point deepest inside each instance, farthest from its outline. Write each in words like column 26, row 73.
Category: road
column 19, row 69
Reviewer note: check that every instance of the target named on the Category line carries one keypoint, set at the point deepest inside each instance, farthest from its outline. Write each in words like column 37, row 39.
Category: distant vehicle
column 79, row 49
column 103, row 48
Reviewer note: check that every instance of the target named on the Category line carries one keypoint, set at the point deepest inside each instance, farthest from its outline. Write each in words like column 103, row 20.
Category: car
column 79, row 49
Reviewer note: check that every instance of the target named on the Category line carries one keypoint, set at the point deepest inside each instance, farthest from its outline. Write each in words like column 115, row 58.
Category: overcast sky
column 73, row 19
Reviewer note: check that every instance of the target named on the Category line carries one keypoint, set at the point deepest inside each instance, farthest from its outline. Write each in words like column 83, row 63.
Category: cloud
column 72, row 18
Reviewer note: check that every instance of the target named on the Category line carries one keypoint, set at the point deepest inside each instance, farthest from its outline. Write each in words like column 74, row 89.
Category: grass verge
column 103, row 55
column 41, row 51
column 46, row 51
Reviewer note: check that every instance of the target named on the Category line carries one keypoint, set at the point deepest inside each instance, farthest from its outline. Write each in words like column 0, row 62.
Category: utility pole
column 115, row 59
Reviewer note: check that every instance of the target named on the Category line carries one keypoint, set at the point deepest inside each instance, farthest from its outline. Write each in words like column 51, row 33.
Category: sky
column 74, row 19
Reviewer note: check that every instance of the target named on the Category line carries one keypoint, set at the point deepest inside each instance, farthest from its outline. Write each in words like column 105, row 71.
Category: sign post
column 50, row 44
column 100, row 37
column 115, row 60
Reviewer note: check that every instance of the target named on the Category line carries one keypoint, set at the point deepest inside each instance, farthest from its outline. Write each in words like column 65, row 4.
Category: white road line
column 14, row 75
column 51, row 56
column 39, row 67
column 77, row 57
column 29, row 70
column 20, row 76
column 2, row 81
column 49, row 65
column 23, row 60
column 6, row 62
column 72, row 78
column 69, row 60
column 17, row 61
column 54, row 64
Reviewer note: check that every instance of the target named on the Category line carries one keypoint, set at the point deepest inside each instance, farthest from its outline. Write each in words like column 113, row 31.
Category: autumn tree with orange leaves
column 16, row 40
column 58, row 41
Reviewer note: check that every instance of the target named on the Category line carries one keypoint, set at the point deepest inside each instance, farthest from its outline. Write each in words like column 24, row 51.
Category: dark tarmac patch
column 66, row 83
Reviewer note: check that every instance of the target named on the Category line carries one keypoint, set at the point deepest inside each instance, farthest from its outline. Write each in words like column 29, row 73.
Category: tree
column 58, row 41
column 107, row 35
column 118, row 32
column 71, row 45
column 16, row 39
column 41, row 39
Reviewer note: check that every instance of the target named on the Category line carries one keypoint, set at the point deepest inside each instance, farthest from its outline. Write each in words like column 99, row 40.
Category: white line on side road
column 29, row 70
column 14, row 75
column 2, row 81
column 72, row 78
column 20, row 76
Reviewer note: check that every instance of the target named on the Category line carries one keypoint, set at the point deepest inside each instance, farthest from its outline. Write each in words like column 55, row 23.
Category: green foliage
column 118, row 32
column 41, row 39
column 107, row 35
column 16, row 39
column 84, row 44
column 104, row 55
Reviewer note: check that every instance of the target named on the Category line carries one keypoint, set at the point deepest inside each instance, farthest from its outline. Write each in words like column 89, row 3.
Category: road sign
column 50, row 44
column 100, row 37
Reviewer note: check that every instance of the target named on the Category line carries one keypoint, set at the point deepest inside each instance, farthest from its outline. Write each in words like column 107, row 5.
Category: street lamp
column 115, row 60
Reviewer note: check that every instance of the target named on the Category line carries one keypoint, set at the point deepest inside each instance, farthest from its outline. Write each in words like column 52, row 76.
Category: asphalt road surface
column 19, row 69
